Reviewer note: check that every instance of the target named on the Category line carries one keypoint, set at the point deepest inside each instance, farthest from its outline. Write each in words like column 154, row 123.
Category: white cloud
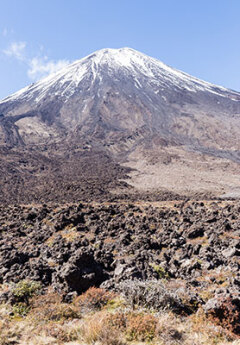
column 38, row 66
column 41, row 67
column 16, row 50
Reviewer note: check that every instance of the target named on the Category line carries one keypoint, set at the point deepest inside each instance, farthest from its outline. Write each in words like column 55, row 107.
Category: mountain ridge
column 99, row 55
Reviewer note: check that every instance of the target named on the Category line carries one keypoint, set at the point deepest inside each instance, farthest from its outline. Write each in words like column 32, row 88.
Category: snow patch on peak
column 138, row 66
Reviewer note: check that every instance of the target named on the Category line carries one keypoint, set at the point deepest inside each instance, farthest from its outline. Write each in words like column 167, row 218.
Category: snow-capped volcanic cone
column 135, row 109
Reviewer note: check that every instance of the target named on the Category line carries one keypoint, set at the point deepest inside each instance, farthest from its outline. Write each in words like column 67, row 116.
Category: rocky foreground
column 193, row 248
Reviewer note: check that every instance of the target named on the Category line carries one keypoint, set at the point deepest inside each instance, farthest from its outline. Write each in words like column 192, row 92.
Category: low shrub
column 49, row 307
column 162, row 274
column 20, row 309
column 141, row 327
column 118, row 321
column 94, row 298
column 24, row 290
column 227, row 314
column 61, row 333
column 152, row 294
column 21, row 293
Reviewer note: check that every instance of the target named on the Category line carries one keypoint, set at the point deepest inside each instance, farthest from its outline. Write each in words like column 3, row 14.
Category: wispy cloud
column 41, row 67
column 16, row 50
column 37, row 66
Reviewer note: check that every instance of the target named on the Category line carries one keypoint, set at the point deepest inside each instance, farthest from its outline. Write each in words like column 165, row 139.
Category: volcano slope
column 118, row 122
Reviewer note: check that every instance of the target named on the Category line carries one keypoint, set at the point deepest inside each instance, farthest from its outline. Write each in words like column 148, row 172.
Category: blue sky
column 199, row 37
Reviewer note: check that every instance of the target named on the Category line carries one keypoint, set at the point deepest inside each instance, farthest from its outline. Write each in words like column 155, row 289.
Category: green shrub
column 162, row 274
column 20, row 309
column 24, row 290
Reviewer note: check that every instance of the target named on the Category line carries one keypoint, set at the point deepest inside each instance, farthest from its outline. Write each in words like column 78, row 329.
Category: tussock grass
column 106, row 319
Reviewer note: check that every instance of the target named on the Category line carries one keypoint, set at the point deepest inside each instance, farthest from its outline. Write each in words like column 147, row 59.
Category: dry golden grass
column 97, row 328
column 51, row 322
column 141, row 327
column 49, row 307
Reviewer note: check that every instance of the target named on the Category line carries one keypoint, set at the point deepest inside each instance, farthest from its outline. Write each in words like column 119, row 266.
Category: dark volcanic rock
column 76, row 246
column 80, row 272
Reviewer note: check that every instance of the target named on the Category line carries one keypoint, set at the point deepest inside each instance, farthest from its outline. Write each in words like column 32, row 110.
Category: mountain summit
column 165, row 125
